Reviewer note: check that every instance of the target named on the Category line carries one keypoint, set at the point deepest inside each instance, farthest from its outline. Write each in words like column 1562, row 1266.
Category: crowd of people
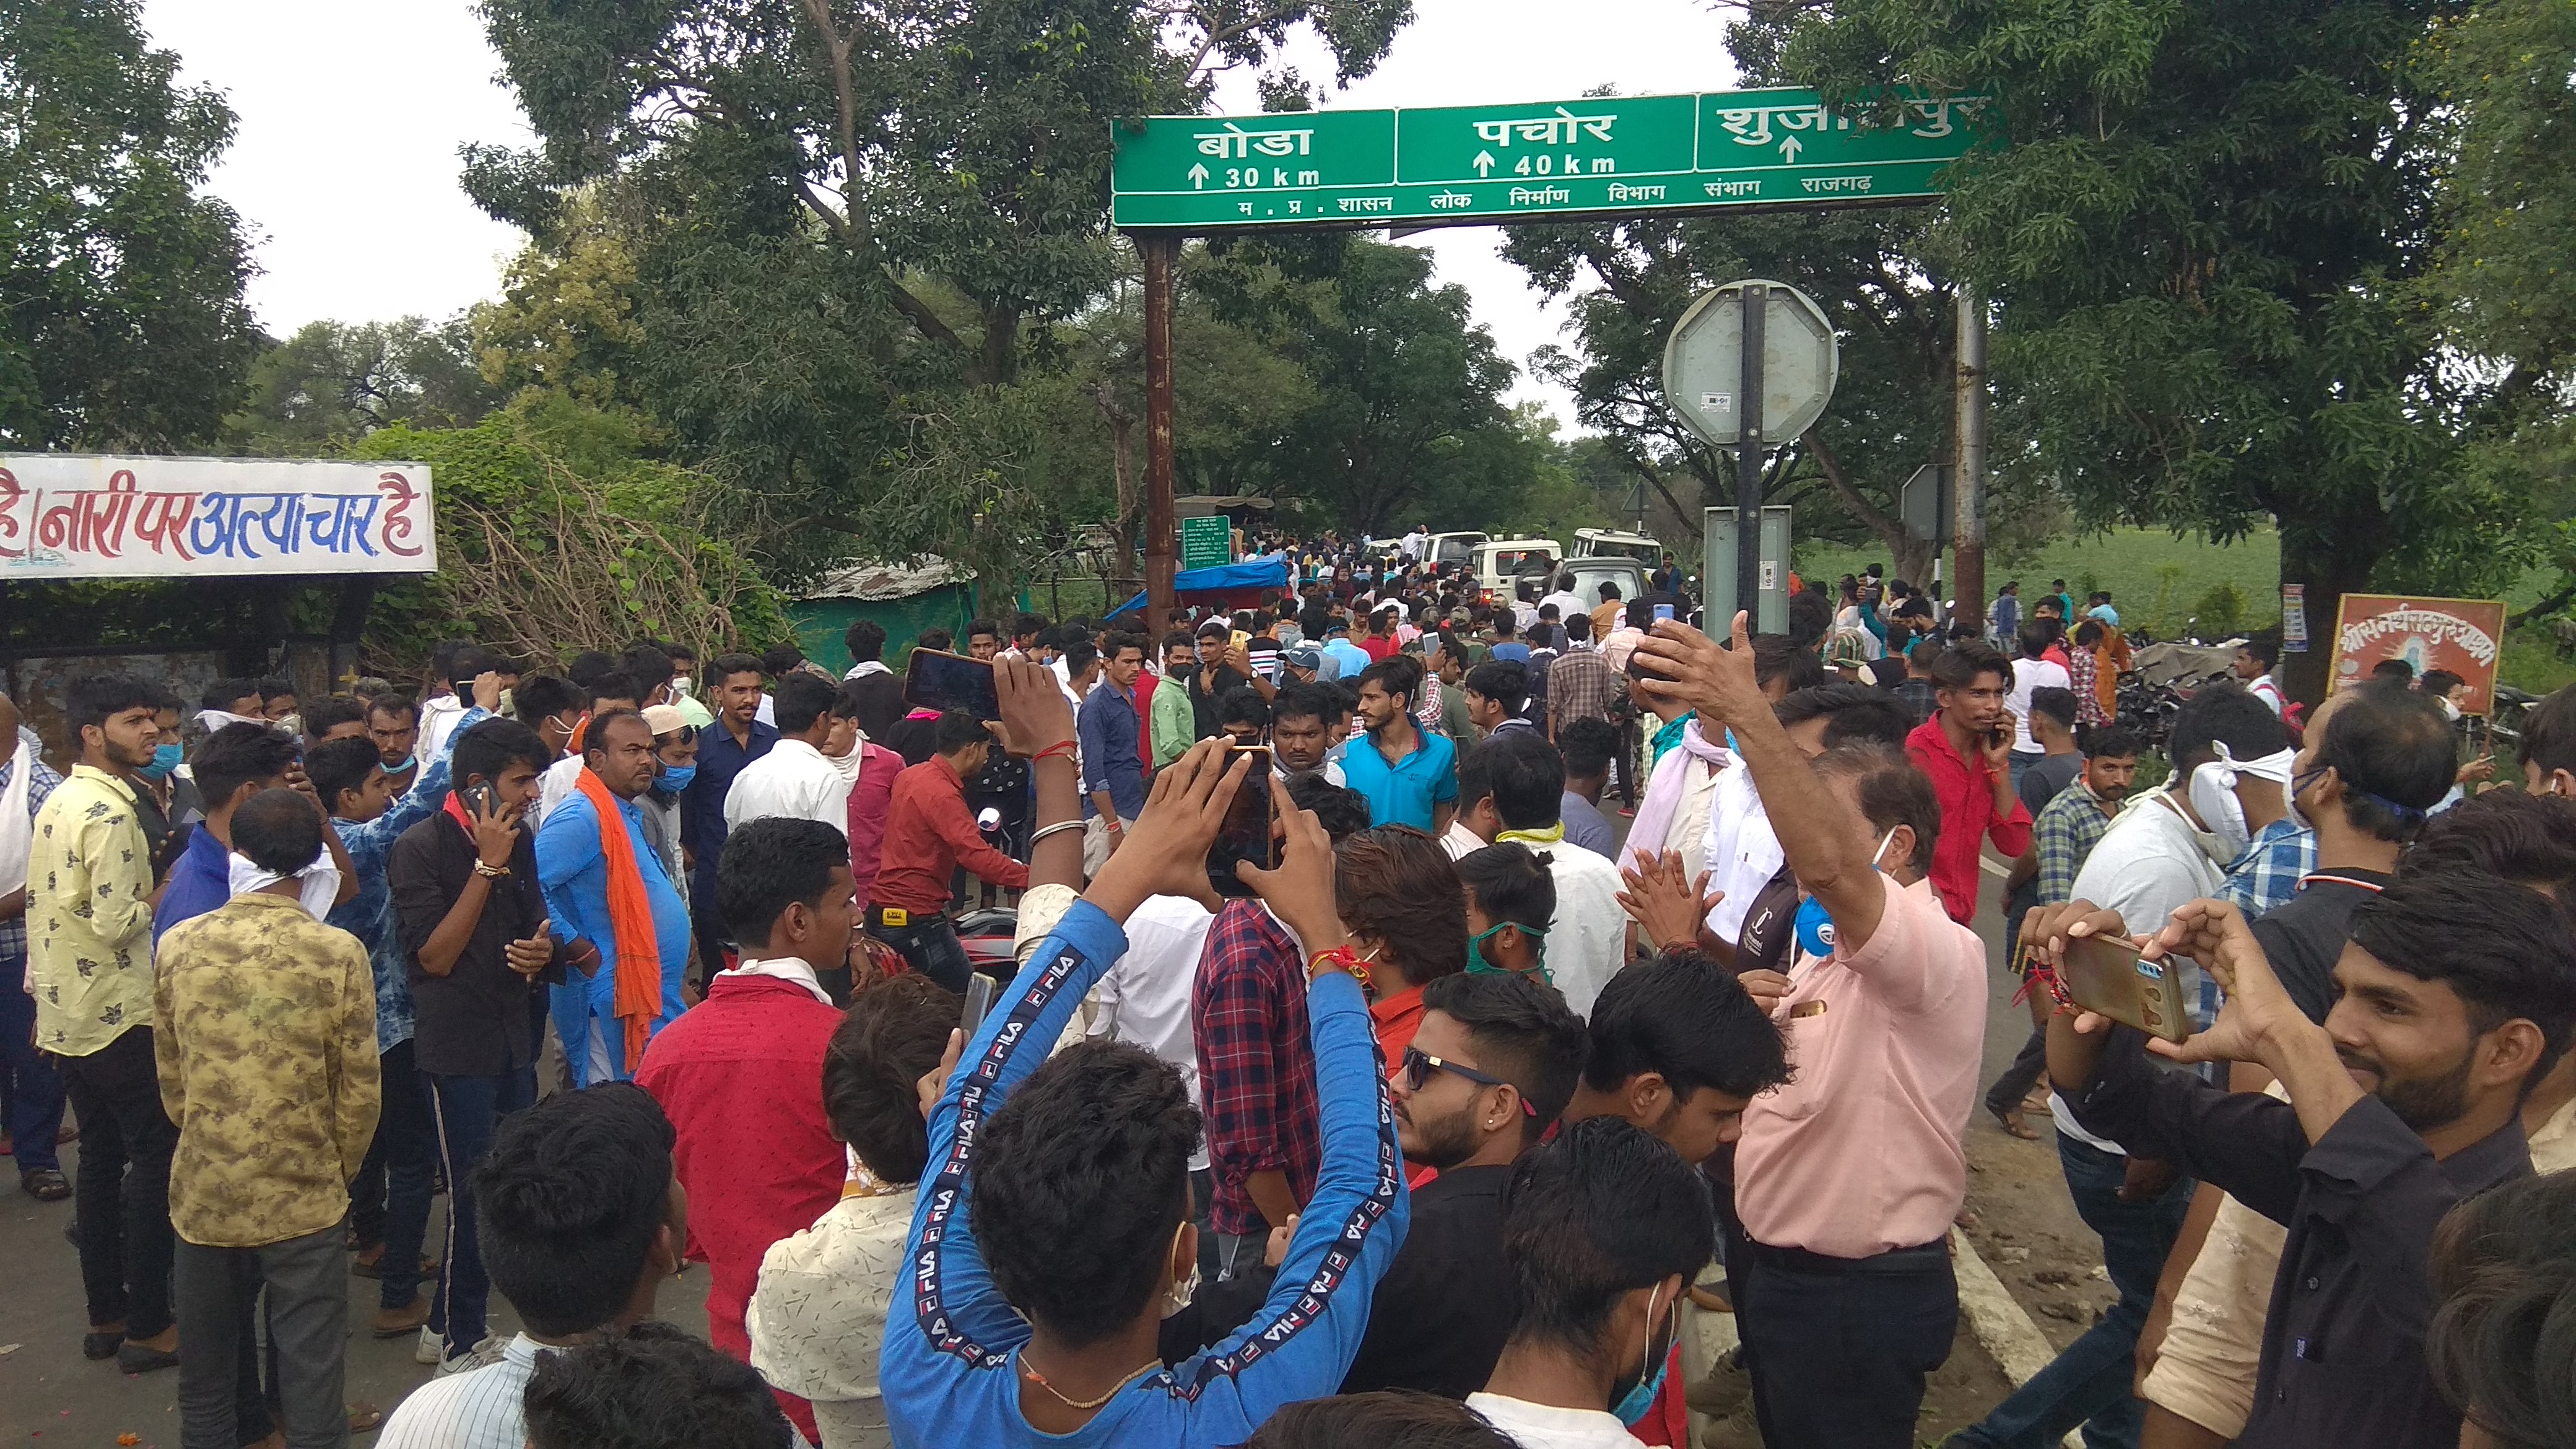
column 1420, row 1134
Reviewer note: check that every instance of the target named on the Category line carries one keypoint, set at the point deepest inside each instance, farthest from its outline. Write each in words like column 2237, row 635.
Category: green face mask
column 1538, row 943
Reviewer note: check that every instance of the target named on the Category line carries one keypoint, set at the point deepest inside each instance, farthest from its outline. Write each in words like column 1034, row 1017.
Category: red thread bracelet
column 1061, row 747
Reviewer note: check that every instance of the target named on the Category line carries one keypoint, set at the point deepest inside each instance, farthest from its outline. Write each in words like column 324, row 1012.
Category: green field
column 2160, row 581
column 2155, row 579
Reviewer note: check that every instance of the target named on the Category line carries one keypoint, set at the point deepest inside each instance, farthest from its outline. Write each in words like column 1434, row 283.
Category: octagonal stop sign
column 1704, row 364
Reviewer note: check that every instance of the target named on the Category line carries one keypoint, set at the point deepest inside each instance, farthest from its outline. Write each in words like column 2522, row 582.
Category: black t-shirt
column 473, row 1021
column 880, row 699
column 1438, row 1319
column 2304, row 937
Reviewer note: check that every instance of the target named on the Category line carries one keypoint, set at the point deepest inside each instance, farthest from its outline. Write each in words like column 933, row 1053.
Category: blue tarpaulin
column 1270, row 571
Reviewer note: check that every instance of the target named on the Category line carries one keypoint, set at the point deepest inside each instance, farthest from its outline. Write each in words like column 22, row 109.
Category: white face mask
column 2213, row 795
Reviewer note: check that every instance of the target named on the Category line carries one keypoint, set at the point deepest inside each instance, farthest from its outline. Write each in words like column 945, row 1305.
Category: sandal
column 45, row 1185
column 95, row 1346
column 365, row 1417
column 2010, row 1119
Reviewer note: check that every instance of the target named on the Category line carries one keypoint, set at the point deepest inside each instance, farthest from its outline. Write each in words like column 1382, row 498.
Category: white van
column 1499, row 562
column 1608, row 543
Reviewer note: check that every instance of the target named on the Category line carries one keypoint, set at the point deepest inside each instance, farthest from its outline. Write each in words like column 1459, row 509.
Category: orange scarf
column 630, row 922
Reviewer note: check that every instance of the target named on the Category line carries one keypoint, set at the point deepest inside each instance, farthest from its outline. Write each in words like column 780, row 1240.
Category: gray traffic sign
column 1704, row 365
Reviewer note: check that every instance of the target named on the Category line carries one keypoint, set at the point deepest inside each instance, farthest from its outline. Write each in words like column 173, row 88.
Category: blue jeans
column 468, row 1110
column 389, row 1203
column 33, row 1090
column 2089, row 1383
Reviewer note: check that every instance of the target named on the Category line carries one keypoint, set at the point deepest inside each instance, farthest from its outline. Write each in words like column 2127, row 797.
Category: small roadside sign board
column 1468, row 165
column 1206, row 543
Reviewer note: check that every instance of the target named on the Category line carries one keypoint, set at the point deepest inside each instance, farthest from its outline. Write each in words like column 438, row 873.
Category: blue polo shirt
column 1349, row 656
column 1405, row 792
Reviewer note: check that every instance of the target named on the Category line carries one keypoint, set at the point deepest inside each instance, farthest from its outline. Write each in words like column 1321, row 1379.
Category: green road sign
column 1206, row 543
column 1470, row 165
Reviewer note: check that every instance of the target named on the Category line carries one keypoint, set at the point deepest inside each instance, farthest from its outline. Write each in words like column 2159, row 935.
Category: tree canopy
column 122, row 325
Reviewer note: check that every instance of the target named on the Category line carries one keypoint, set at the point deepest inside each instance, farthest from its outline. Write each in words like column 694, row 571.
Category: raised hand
column 1035, row 714
column 1301, row 889
column 1166, row 850
column 1689, row 666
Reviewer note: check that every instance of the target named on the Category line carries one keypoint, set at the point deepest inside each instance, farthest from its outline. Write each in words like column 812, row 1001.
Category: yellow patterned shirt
column 264, row 1023
column 89, row 915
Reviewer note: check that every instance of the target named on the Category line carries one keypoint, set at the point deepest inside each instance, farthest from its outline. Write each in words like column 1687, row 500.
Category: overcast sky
column 351, row 115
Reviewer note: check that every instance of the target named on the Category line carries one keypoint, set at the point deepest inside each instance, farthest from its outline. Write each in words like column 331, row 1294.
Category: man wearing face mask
column 2231, row 759
column 1606, row 1226
column 1848, row 1176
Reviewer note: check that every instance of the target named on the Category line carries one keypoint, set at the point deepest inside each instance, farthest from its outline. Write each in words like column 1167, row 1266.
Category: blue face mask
column 165, row 758
column 1632, row 1405
column 403, row 765
column 1816, row 924
column 676, row 778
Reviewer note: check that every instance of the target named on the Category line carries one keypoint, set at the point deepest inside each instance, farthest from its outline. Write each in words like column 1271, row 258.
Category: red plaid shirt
column 1256, row 1062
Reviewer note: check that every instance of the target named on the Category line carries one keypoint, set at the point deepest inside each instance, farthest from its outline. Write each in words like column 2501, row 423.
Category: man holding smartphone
column 929, row 834
column 1966, row 749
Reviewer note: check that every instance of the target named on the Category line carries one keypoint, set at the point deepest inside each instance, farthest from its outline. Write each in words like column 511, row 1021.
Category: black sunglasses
column 1419, row 1065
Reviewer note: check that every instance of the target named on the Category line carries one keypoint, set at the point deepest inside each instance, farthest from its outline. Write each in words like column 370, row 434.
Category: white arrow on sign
column 1484, row 163
column 1789, row 150
column 1198, row 177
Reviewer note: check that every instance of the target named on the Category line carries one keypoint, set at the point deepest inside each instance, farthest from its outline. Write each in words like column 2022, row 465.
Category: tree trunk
column 2333, row 559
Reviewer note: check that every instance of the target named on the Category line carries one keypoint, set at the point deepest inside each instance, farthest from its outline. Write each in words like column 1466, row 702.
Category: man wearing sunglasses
column 1491, row 1065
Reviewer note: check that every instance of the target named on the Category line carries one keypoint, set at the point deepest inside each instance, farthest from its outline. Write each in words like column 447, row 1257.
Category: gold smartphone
column 2106, row 974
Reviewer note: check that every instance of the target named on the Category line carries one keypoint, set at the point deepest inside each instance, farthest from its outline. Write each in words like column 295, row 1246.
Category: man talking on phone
column 929, row 834
column 1966, row 749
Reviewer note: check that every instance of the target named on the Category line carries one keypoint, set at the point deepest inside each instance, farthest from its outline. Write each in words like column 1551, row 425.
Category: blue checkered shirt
column 13, row 931
column 2268, row 873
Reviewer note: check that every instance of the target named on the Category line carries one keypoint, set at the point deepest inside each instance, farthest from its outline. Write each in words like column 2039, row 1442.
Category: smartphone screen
column 1663, row 611
column 2106, row 974
column 951, row 681
column 979, row 1000
column 1246, row 833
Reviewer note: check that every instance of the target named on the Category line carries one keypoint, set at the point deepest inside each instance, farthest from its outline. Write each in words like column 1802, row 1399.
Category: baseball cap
column 1304, row 656
column 663, row 719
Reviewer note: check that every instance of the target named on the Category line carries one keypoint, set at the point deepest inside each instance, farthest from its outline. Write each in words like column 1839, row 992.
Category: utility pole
column 1969, row 538
column 1160, row 251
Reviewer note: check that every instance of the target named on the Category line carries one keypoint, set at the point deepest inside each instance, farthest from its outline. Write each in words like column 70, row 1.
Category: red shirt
column 870, row 800
column 1378, row 647
column 740, row 1075
column 1396, row 1018
column 1967, row 794
column 929, row 833
column 1147, row 681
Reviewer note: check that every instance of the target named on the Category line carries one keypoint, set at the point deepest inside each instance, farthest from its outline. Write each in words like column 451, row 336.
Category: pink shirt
column 1860, row 1154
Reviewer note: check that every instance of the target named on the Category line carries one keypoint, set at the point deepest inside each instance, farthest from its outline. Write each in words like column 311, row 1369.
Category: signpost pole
column 1970, row 533
column 1159, row 251
column 1749, row 447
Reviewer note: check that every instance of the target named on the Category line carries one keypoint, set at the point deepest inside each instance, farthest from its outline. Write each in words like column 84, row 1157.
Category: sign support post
column 1160, row 251
column 1969, row 536
column 1749, row 448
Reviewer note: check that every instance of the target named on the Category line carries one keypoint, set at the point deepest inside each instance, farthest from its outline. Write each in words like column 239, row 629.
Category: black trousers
column 123, row 1203
column 1839, row 1348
